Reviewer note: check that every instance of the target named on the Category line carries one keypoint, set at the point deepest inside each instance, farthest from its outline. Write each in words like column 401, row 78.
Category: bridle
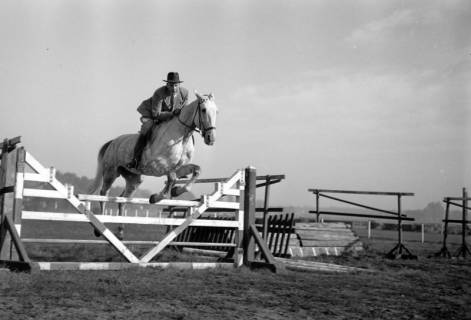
column 193, row 126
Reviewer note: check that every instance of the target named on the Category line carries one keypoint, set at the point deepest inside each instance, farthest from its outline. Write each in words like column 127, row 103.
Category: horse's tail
column 99, row 170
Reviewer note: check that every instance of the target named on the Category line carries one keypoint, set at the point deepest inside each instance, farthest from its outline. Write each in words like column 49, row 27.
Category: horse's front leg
column 183, row 171
column 165, row 193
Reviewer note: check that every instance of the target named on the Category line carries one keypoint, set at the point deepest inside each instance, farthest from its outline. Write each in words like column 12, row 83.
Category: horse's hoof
column 176, row 191
column 155, row 198
column 97, row 233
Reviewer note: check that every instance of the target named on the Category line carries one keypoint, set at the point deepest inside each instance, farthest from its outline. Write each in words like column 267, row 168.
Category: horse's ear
column 198, row 95
column 211, row 96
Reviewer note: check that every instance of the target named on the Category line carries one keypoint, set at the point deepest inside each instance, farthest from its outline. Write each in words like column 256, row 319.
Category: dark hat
column 173, row 77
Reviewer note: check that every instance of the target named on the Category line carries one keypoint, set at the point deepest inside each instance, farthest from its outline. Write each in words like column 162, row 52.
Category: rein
column 193, row 126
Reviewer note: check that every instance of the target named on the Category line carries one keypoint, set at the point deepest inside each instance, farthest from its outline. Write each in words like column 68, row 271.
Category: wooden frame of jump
column 399, row 250
column 13, row 253
column 463, row 250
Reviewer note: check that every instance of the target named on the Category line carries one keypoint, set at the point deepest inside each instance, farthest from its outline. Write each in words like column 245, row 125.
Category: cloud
column 408, row 109
column 377, row 29
column 397, row 24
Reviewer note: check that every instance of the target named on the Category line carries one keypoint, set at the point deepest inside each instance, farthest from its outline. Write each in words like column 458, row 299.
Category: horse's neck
column 178, row 126
column 188, row 114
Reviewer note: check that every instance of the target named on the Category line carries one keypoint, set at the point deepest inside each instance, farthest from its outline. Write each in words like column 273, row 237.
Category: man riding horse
column 166, row 102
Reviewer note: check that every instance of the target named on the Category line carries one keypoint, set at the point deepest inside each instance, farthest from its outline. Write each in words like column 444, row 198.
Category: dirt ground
column 426, row 288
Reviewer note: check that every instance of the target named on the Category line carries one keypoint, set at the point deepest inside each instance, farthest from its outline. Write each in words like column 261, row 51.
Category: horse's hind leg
column 132, row 183
column 108, row 178
column 183, row 171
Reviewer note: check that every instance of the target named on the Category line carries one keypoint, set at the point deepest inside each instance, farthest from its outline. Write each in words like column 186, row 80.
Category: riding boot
column 138, row 150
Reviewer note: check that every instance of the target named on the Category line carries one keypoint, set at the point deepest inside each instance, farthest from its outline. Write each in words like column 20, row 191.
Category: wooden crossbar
column 133, row 242
column 361, row 215
column 77, row 217
column 49, row 266
column 362, row 192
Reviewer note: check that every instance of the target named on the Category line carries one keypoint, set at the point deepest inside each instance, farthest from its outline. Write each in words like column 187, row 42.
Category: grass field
column 426, row 288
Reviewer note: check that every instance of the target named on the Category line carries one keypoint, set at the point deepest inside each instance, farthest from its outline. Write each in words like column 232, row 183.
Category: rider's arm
column 157, row 113
column 145, row 109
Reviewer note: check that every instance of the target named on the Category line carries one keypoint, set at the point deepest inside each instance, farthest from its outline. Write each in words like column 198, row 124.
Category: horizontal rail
column 455, row 198
column 127, row 265
column 36, row 177
column 362, row 215
column 362, row 192
column 7, row 190
column 456, row 221
column 133, row 242
column 457, row 205
column 165, row 202
column 264, row 184
column 78, row 217
column 212, row 210
column 357, row 204
column 272, row 209
column 212, row 180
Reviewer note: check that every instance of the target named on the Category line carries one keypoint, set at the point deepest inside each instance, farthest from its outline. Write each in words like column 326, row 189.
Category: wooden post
column 265, row 207
column 399, row 223
column 422, row 231
column 369, row 229
column 7, row 178
column 238, row 234
column 249, row 214
column 464, row 247
column 317, row 206
column 444, row 250
column 19, row 184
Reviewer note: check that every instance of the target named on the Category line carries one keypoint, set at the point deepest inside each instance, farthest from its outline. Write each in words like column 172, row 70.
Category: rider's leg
column 141, row 143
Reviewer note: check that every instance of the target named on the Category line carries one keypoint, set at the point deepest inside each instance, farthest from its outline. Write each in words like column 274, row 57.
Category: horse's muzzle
column 209, row 137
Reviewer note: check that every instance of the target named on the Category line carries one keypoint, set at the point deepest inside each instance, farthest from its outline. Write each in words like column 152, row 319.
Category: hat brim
column 172, row 81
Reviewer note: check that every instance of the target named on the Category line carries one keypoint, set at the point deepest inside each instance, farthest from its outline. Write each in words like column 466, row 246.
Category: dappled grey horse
column 168, row 152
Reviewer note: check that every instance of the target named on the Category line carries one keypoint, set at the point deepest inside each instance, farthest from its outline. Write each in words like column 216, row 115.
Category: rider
column 166, row 102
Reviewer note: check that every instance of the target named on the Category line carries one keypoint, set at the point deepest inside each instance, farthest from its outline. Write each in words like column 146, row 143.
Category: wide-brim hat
column 173, row 77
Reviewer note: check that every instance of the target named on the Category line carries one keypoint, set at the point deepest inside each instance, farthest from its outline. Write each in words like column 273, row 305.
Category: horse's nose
column 209, row 138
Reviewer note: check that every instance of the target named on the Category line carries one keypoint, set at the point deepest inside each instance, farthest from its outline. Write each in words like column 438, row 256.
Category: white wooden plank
column 120, row 246
column 233, row 179
column 165, row 202
column 231, row 192
column 36, row 177
column 123, row 265
column 35, row 165
column 19, row 185
column 43, row 193
column 78, row 217
column 224, row 205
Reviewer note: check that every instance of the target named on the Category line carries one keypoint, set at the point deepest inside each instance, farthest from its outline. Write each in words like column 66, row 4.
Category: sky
column 353, row 95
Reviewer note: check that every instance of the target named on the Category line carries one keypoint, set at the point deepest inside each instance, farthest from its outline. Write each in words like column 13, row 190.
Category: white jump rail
column 233, row 186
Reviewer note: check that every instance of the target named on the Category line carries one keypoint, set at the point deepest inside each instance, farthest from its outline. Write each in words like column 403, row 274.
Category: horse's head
column 206, row 117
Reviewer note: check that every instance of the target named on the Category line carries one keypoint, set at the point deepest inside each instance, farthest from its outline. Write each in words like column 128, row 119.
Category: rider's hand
column 176, row 112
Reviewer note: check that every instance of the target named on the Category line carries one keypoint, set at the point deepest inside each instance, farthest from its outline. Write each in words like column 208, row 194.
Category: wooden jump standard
column 463, row 250
column 241, row 185
column 399, row 251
